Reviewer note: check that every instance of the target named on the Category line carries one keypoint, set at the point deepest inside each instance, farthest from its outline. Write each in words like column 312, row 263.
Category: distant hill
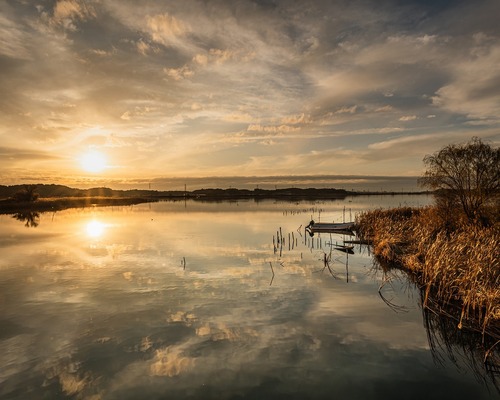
column 60, row 191
column 51, row 191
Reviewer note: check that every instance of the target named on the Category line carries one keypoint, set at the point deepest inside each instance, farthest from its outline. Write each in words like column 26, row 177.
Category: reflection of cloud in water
column 221, row 331
column 146, row 344
column 72, row 384
column 134, row 323
column 395, row 329
column 170, row 362
column 14, row 353
column 128, row 275
column 180, row 316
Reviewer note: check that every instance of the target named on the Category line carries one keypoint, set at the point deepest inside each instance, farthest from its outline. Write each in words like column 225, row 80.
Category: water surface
column 200, row 300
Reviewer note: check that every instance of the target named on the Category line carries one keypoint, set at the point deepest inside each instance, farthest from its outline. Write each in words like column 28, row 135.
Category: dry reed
column 460, row 268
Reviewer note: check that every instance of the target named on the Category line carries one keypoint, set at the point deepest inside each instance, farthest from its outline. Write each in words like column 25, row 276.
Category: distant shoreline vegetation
column 58, row 197
column 357, row 183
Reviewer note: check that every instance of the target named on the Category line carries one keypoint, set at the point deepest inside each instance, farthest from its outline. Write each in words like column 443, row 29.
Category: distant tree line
column 28, row 193
column 22, row 192
column 32, row 192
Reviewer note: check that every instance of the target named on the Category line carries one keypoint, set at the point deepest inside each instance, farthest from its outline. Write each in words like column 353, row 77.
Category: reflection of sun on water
column 95, row 229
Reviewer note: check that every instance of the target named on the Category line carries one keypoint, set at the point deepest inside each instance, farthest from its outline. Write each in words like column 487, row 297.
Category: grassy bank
column 458, row 270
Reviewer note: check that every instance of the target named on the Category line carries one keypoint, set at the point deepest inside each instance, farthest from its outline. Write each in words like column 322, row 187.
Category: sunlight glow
column 93, row 161
column 95, row 229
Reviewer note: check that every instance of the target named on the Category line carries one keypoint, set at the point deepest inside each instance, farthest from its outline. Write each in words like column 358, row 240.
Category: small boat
column 340, row 227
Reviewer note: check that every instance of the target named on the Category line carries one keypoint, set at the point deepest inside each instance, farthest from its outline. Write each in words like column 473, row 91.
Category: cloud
column 100, row 53
column 221, row 56
column 301, row 118
column 406, row 118
column 21, row 155
column 13, row 40
column 347, row 110
column 333, row 159
column 201, row 59
column 415, row 146
column 386, row 108
column 237, row 117
column 165, row 29
column 403, row 49
column 67, row 9
column 474, row 89
column 67, row 12
column 143, row 48
column 178, row 74
column 386, row 144
column 138, row 111
column 219, row 82
column 272, row 128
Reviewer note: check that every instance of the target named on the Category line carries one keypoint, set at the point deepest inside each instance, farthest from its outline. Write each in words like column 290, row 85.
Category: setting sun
column 93, row 161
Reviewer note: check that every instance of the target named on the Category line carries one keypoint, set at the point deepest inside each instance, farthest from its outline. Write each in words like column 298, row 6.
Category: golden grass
column 461, row 267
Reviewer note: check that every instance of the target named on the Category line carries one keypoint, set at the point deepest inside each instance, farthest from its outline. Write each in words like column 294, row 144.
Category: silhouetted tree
column 466, row 176
column 27, row 194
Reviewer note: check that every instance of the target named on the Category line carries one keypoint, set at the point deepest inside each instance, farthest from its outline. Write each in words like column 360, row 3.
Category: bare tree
column 465, row 175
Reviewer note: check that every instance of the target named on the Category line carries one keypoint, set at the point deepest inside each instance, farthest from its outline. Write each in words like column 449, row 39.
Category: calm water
column 179, row 300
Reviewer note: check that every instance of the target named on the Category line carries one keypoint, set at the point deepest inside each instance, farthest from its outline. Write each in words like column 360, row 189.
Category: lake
column 220, row 300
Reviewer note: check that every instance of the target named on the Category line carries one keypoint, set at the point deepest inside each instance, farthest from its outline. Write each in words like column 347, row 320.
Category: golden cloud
column 67, row 11
column 272, row 128
column 165, row 28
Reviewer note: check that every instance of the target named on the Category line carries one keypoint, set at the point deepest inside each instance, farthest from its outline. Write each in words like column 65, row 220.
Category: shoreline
column 59, row 204
column 456, row 271
column 108, row 197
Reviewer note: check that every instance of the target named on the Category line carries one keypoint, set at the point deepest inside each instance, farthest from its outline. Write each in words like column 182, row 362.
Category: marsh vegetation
column 459, row 267
column 452, row 248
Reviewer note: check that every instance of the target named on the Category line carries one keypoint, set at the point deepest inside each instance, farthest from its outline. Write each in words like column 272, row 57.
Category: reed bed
column 457, row 268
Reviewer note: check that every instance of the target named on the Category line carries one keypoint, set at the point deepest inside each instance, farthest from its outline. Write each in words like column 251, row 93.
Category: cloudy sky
column 195, row 88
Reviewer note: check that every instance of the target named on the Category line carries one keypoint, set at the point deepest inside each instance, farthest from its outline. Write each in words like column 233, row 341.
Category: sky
column 123, row 93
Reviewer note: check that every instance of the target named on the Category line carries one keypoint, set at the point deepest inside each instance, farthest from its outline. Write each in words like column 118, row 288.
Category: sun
column 93, row 161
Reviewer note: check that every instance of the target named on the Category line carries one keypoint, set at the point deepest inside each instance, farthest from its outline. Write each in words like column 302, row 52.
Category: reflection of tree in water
column 31, row 219
column 474, row 350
